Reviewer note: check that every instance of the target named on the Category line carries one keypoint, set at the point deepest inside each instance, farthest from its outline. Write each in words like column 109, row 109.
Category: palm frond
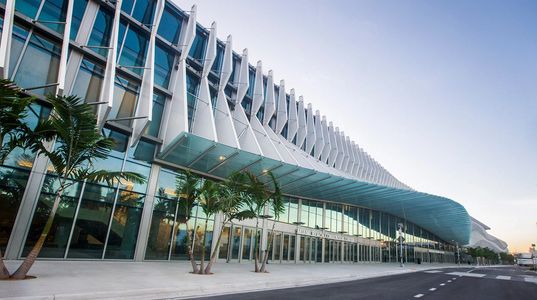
column 109, row 177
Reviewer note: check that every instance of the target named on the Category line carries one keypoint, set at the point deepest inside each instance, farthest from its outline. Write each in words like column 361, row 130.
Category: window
column 158, row 107
column 125, row 97
column 88, row 81
column 163, row 66
column 192, row 85
column 144, row 10
column 30, row 74
column 217, row 64
column 133, row 52
column 100, row 35
column 28, row 7
column 170, row 25
column 197, row 52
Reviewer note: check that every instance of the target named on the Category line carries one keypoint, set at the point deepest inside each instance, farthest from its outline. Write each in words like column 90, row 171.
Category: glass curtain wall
column 168, row 232
column 14, row 173
column 94, row 220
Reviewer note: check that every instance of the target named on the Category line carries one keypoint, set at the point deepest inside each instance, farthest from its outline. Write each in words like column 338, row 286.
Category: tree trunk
column 265, row 258
column 4, row 272
column 256, row 248
column 32, row 256
column 202, row 262
column 215, row 251
column 189, row 249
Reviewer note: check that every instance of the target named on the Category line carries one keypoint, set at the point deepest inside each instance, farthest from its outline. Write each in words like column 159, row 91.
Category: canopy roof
column 444, row 217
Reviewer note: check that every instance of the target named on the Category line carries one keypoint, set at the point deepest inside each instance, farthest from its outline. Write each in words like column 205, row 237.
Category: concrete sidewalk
column 164, row 280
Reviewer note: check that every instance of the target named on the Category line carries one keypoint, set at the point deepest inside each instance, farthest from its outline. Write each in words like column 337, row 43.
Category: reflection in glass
column 247, row 243
column 30, row 74
column 125, row 225
column 89, row 234
column 12, row 185
column 170, row 24
column 236, row 242
column 56, row 242
column 160, row 232
column 224, row 244
column 88, row 81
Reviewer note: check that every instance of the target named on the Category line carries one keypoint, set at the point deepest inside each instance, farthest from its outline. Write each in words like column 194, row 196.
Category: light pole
column 400, row 226
column 458, row 252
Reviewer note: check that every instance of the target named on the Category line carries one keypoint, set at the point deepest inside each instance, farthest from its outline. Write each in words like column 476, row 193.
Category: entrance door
column 319, row 250
column 236, row 242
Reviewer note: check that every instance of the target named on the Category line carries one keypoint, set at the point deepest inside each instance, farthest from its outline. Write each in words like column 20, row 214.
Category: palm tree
column 13, row 111
column 72, row 125
column 256, row 199
column 210, row 204
column 233, row 194
column 188, row 190
column 277, row 206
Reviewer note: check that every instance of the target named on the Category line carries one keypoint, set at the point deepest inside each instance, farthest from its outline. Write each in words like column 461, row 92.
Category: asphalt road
column 446, row 284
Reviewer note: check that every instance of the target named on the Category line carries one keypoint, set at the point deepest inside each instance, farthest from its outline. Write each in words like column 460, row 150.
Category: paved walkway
column 161, row 280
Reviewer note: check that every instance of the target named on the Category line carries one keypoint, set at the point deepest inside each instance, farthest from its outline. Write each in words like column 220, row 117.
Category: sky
column 442, row 93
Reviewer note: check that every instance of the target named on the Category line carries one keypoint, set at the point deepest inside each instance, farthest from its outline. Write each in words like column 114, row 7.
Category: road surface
column 442, row 284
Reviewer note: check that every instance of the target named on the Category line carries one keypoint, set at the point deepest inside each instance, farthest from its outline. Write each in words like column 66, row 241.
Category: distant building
column 479, row 237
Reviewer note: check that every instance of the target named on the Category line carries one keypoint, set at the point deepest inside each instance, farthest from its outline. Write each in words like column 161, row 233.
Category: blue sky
column 442, row 93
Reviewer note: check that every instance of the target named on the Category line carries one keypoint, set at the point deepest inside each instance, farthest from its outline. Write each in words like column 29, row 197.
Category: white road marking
column 454, row 278
column 418, row 296
column 442, row 284
column 449, row 281
column 460, row 274
column 433, row 271
column 432, row 289
column 531, row 279
column 503, row 277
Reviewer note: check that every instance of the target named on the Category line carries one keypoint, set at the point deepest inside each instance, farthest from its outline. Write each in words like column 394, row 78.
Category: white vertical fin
column 270, row 102
column 259, row 96
column 319, row 135
column 333, row 145
column 62, row 67
column 177, row 112
column 292, row 123
column 225, row 127
column 107, row 89
column 245, row 133
column 310, row 130
column 203, row 123
column 281, row 114
column 144, row 107
column 5, row 40
column 327, row 145
column 302, row 131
